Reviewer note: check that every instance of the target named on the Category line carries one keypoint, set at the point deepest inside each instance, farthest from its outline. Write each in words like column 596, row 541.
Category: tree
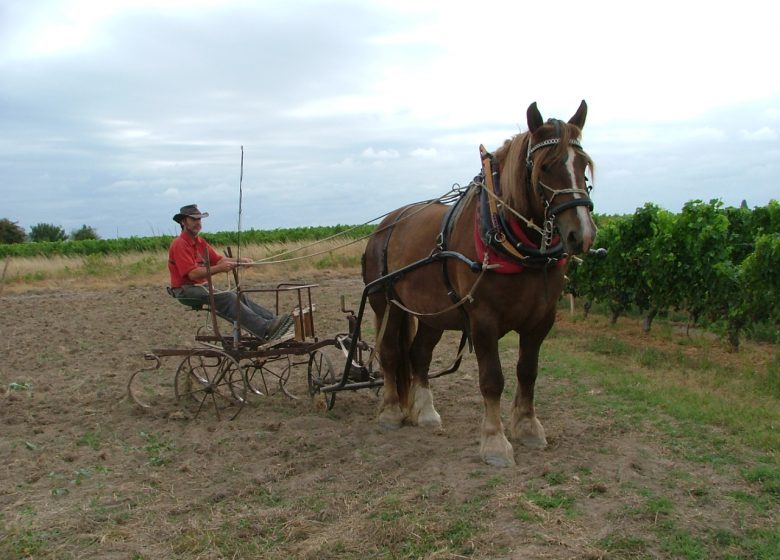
column 10, row 232
column 85, row 232
column 47, row 232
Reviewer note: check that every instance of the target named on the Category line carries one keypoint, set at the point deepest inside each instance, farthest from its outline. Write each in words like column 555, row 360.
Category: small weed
column 555, row 478
column 89, row 439
column 157, row 449
column 556, row 500
column 522, row 513
column 494, row 482
column 659, row 505
column 266, row 498
column 20, row 386
column 81, row 475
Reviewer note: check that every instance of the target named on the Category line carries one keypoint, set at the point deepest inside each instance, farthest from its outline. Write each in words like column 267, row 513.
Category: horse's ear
column 578, row 119
column 534, row 117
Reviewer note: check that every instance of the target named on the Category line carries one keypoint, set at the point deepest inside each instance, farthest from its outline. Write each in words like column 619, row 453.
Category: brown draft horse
column 540, row 178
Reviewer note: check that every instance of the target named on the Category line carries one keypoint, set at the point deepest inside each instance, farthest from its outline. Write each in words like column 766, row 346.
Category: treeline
column 162, row 242
column 719, row 265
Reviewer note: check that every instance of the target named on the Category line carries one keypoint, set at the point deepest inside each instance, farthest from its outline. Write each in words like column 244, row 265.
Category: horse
column 517, row 223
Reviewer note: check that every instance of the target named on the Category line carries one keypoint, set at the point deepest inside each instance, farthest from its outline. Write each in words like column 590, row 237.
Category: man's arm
column 224, row 265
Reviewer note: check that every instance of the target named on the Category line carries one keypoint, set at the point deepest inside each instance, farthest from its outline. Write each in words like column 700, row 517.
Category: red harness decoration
column 506, row 265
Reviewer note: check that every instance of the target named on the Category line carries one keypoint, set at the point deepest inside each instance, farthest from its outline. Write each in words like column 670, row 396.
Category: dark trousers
column 253, row 317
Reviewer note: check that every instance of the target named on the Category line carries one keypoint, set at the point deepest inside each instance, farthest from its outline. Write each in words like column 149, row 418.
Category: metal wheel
column 320, row 374
column 148, row 387
column 264, row 377
column 212, row 380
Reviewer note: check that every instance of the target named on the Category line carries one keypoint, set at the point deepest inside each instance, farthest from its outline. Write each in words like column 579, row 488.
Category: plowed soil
column 88, row 474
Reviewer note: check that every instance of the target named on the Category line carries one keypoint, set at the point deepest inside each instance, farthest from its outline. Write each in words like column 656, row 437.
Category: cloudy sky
column 114, row 113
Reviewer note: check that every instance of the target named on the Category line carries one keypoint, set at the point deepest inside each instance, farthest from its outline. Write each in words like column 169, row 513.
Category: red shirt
column 185, row 255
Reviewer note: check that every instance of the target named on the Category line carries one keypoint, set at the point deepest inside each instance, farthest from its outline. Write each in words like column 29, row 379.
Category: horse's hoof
column 533, row 443
column 530, row 433
column 497, row 451
column 429, row 420
column 391, row 419
column 499, row 461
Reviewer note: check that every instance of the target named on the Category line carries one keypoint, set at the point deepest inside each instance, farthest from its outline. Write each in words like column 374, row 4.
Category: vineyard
column 717, row 265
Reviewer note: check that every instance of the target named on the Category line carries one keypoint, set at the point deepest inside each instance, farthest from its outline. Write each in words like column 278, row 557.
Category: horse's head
column 549, row 168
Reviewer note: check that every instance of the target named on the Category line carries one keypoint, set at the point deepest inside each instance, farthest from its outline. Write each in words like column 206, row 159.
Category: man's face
column 192, row 225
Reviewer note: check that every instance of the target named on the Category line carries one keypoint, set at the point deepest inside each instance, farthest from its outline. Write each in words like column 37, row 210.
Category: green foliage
column 84, row 232
column 718, row 264
column 161, row 243
column 760, row 282
column 47, row 232
column 11, row 232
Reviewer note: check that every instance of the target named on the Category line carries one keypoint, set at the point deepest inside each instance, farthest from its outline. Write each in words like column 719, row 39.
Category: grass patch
column 622, row 546
column 767, row 477
column 557, row 499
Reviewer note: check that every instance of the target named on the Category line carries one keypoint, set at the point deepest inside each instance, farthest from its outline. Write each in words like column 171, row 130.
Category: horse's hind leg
column 421, row 411
column 394, row 363
column 525, row 427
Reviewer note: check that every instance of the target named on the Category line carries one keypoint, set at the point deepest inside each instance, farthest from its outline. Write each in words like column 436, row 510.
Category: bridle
column 494, row 214
column 551, row 211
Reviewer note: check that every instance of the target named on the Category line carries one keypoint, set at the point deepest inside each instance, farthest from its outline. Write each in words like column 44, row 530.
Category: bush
column 10, row 232
column 47, row 232
column 85, row 232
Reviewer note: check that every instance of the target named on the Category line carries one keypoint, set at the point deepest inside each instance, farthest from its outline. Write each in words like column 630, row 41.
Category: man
column 189, row 278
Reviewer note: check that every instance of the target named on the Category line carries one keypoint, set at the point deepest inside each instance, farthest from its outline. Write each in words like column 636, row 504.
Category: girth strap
column 448, row 222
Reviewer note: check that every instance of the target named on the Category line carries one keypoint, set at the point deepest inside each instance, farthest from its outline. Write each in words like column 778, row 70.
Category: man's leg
column 257, row 308
column 198, row 292
column 227, row 305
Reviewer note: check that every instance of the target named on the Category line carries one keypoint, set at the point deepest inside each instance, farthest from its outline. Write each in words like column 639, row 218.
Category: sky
column 115, row 113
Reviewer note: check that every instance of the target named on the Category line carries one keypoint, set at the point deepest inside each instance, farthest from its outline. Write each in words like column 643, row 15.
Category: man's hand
column 225, row 265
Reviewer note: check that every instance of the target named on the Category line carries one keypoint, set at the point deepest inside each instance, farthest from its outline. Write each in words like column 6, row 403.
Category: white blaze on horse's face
column 586, row 223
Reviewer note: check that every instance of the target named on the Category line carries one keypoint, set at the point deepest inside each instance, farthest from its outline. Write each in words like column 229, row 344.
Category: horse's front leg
column 525, row 428
column 494, row 447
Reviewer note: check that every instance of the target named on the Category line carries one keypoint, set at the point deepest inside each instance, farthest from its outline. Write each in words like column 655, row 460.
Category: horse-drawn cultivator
column 221, row 373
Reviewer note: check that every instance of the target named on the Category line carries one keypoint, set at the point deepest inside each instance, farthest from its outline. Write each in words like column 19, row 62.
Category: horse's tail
column 403, row 376
column 403, row 344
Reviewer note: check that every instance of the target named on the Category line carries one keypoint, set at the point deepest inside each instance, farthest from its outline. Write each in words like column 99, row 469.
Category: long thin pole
column 240, row 200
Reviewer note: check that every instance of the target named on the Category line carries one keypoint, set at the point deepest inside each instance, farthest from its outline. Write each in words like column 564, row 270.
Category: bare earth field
column 87, row 474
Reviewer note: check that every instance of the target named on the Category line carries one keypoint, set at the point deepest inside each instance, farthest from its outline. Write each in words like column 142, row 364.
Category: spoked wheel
column 212, row 380
column 264, row 377
column 319, row 375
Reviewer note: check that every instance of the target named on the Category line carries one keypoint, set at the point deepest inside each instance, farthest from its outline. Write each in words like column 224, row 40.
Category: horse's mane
column 511, row 158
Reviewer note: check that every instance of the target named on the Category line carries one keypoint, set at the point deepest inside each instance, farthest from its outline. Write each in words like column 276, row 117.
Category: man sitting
column 189, row 279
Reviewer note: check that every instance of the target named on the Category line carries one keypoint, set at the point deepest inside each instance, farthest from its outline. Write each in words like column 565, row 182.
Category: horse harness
column 495, row 228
